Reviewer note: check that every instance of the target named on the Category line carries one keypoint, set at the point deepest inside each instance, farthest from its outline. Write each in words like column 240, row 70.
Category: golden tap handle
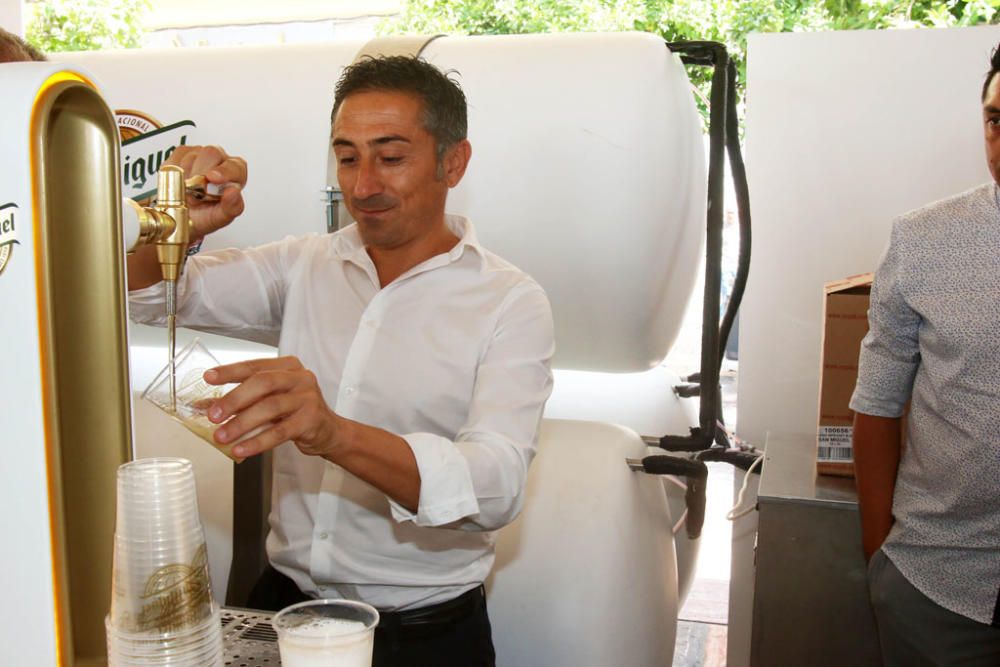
column 171, row 249
column 166, row 224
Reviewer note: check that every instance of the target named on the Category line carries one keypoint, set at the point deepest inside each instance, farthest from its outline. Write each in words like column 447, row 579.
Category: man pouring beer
column 404, row 407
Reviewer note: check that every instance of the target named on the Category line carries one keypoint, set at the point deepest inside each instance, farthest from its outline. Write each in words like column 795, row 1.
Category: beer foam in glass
column 326, row 633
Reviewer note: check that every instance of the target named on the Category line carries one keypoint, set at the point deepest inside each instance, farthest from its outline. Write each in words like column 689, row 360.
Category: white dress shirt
column 453, row 356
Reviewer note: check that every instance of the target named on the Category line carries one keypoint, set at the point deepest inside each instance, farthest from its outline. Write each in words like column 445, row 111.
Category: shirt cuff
column 885, row 383
column 877, row 407
column 446, row 491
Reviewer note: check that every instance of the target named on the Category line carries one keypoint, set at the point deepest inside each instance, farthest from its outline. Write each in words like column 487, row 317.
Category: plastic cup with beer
column 326, row 633
column 193, row 396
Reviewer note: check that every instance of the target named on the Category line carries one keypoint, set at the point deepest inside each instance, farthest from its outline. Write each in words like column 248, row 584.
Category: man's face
column 388, row 168
column 991, row 126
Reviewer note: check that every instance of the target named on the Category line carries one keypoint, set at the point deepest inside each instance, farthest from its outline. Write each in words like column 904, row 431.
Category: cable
column 684, row 515
column 677, row 481
column 680, row 522
column 732, row 514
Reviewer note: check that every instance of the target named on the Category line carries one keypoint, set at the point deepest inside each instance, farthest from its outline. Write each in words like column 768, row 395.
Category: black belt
column 435, row 617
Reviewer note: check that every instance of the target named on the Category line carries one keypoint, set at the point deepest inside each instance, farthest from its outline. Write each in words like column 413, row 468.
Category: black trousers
column 465, row 641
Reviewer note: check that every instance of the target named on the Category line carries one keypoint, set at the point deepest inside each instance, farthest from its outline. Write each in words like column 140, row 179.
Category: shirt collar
column 348, row 245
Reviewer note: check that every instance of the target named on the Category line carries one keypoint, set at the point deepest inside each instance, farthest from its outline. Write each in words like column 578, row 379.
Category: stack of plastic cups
column 162, row 610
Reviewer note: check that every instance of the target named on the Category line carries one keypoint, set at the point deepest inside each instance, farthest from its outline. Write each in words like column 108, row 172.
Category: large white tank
column 587, row 163
column 587, row 172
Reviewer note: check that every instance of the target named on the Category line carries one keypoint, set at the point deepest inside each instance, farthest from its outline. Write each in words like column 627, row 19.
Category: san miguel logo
column 8, row 233
column 146, row 145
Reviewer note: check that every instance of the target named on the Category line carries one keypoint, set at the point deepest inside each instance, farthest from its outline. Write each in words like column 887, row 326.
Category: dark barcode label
column 838, row 454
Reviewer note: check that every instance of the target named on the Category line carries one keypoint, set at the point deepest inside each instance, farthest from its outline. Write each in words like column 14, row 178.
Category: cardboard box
column 845, row 323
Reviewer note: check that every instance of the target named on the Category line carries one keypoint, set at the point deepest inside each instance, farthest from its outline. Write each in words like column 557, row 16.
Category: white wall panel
column 845, row 131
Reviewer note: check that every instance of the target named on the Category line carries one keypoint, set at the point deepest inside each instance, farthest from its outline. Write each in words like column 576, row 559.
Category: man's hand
column 228, row 172
column 279, row 398
column 218, row 168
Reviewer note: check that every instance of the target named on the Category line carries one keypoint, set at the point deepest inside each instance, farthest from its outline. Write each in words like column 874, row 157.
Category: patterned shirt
column 934, row 340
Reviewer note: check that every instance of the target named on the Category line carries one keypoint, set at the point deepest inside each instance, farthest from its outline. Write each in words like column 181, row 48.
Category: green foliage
column 86, row 25
column 726, row 21
column 507, row 17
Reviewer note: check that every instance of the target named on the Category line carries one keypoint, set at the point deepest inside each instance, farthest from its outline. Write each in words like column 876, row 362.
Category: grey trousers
column 914, row 631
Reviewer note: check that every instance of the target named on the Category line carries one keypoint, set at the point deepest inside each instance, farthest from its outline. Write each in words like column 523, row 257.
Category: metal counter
column 810, row 589
column 248, row 639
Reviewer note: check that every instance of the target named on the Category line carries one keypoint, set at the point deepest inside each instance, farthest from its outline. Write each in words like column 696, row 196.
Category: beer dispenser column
column 64, row 376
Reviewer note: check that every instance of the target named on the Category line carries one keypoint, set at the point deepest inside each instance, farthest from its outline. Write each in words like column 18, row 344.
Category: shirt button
column 323, row 536
column 349, row 391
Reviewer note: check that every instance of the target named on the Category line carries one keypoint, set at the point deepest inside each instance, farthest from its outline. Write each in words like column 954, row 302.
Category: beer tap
column 166, row 225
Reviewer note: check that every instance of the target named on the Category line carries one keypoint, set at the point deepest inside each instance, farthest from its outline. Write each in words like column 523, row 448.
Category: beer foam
column 327, row 627
column 328, row 642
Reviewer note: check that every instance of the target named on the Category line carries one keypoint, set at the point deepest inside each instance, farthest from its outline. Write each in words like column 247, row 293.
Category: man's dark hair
column 445, row 112
column 994, row 69
column 13, row 49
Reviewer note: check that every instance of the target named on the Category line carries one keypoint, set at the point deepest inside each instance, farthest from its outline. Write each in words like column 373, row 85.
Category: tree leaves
column 86, row 25
column 726, row 21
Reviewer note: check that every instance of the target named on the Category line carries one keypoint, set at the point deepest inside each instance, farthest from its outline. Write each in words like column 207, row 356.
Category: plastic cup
column 157, row 498
column 162, row 611
column 160, row 571
column 326, row 633
column 193, row 395
column 160, row 592
column 196, row 647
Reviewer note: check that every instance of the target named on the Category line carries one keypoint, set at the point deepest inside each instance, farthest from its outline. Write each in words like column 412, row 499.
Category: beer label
column 175, row 597
column 146, row 145
column 132, row 123
column 8, row 233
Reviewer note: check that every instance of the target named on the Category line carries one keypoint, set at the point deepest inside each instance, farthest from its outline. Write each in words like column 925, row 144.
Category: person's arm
column 218, row 168
column 234, row 292
column 890, row 357
column 474, row 482
column 876, row 445
column 284, row 398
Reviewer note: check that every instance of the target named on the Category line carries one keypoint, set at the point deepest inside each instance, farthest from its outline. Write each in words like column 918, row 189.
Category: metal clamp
column 332, row 196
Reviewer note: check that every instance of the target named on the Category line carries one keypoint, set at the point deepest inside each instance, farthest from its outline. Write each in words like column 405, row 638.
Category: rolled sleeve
column 890, row 352
column 447, row 493
column 477, row 481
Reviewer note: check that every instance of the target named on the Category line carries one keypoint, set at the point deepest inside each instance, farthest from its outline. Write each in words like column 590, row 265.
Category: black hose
column 739, row 458
column 710, row 53
column 724, row 139
column 738, row 170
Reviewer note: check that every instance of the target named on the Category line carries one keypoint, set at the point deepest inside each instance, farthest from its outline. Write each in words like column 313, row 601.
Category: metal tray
column 248, row 639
